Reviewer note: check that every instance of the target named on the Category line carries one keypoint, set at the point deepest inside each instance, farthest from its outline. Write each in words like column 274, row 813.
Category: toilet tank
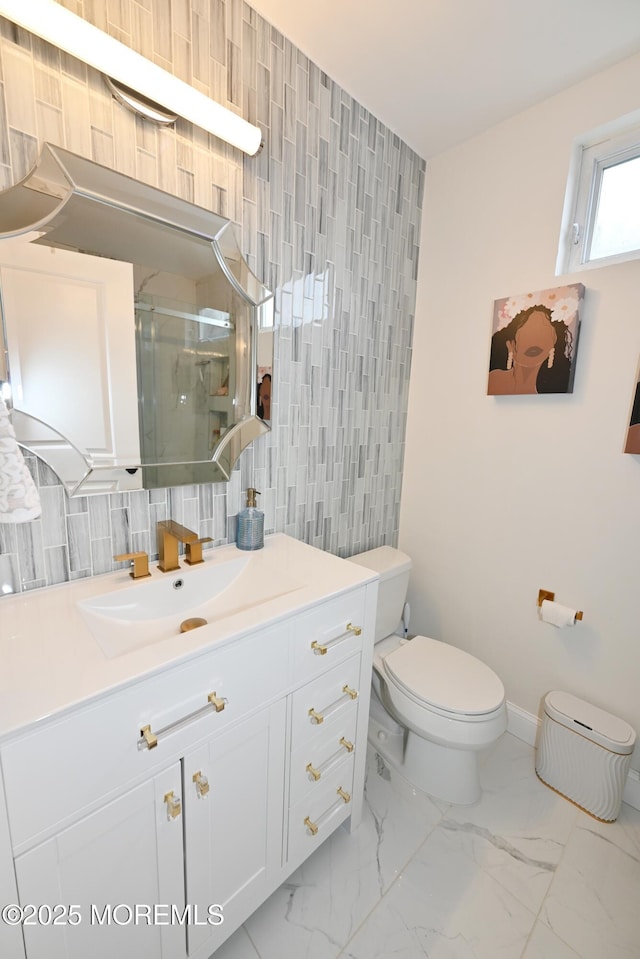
column 394, row 568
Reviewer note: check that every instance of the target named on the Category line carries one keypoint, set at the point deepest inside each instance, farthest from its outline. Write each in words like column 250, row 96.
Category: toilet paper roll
column 556, row 614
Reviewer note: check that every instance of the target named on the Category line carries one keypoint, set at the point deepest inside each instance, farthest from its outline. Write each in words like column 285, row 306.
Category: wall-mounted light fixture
column 52, row 22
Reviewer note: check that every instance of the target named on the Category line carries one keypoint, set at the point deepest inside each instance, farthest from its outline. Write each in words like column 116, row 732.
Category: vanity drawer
column 333, row 696
column 84, row 759
column 328, row 634
column 313, row 763
column 313, row 818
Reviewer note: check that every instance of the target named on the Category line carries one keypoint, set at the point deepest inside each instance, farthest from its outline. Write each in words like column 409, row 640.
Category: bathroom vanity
column 158, row 788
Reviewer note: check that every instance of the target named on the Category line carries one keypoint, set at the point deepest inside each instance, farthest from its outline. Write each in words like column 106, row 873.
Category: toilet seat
column 444, row 679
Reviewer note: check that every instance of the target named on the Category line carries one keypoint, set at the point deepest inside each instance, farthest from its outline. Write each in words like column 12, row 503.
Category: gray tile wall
column 328, row 216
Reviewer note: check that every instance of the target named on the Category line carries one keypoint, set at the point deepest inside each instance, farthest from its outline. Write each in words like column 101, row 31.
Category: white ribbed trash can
column 584, row 753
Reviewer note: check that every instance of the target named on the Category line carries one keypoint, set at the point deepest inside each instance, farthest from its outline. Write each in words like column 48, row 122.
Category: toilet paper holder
column 547, row 594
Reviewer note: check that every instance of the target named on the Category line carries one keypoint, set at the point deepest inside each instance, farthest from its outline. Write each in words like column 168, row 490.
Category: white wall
column 505, row 495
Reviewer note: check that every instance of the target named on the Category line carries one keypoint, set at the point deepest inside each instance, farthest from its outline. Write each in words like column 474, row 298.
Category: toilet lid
column 445, row 677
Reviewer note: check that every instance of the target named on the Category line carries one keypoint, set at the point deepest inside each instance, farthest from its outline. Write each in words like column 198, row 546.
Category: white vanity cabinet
column 160, row 815
column 128, row 852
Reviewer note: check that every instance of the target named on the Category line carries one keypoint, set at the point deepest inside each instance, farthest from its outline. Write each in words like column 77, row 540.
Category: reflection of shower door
column 186, row 372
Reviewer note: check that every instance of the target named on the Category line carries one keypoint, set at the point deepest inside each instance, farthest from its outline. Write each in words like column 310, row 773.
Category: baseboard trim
column 524, row 726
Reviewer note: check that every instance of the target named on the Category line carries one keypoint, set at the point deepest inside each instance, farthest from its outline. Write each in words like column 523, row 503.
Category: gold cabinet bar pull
column 315, row 772
column 202, row 784
column 311, row 826
column 148, row 737
column 334, row 808
column 347, row 695
column 149, row 740
column 216, row 702
column 174, row 806
column 321, row 649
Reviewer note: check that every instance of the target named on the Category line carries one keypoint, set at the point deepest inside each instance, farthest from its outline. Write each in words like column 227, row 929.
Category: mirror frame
column 63, row 186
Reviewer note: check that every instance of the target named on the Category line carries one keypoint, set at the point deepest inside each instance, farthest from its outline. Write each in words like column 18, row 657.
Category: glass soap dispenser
column 250, row 524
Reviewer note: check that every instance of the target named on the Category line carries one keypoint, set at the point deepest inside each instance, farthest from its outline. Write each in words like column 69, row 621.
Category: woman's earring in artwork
column 510, row 359
column 552, row 356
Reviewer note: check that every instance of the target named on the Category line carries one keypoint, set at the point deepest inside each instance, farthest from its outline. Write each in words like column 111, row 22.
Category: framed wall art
column 534, row 341
column 632, row 444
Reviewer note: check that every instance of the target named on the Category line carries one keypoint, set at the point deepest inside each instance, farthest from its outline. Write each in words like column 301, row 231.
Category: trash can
column 584, row 753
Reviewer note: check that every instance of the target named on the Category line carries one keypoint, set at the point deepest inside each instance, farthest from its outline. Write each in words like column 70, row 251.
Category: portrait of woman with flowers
column 534, row 342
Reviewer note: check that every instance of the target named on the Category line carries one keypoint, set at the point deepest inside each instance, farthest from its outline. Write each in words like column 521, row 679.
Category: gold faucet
column 170, row 535
column 193, row 550
column 139, row 564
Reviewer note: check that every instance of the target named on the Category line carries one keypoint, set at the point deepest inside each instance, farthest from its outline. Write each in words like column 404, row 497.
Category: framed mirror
column 135, row 339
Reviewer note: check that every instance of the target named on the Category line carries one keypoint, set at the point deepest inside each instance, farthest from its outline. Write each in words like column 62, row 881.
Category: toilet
column 434, row 707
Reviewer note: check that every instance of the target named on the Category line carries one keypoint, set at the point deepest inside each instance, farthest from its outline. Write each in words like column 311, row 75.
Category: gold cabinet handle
column 216, row 702
column 202, row 784
column 311, row 826
column 148, row 737
column 321, row 649
column 316, row 773
column 174, row 806
column 149, row 740
column 347, row 694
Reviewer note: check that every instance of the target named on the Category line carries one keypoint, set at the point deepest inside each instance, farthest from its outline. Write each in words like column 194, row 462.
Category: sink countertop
column 50, row 662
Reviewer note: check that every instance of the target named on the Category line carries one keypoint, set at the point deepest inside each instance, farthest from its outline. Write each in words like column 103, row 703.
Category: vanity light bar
column 57, row 25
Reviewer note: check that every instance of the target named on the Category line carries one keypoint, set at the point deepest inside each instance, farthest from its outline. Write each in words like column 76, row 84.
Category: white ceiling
column 440, row 71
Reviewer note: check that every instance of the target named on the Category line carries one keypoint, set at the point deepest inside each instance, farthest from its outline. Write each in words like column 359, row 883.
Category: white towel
column 19, row 500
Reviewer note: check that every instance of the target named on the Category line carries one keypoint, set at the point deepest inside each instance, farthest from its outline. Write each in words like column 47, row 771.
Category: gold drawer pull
column 314, row 827
column 216, row 702
column 202, row 784
column 321, row 649
column 347, row 695
column 174, row 806
column 149, row 740
column 315, row 773
column 311, row 826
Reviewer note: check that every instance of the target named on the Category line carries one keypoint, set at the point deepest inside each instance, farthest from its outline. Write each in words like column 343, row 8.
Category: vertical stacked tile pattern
column 327, row 215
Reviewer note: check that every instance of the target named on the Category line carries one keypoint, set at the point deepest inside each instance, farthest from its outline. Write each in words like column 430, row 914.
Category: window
column 601, row 222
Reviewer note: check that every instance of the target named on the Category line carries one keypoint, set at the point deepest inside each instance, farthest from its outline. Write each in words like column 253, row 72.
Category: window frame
column 592, row 155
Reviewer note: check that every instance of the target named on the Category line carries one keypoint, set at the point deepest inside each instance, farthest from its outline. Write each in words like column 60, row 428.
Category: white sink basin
column 152, row 610
column 176, row 594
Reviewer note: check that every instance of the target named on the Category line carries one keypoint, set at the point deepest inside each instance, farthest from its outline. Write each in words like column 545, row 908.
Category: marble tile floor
column 521, row 874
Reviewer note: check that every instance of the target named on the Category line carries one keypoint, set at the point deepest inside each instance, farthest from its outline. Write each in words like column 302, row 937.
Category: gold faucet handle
column 193, row 550
column 139, row 564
